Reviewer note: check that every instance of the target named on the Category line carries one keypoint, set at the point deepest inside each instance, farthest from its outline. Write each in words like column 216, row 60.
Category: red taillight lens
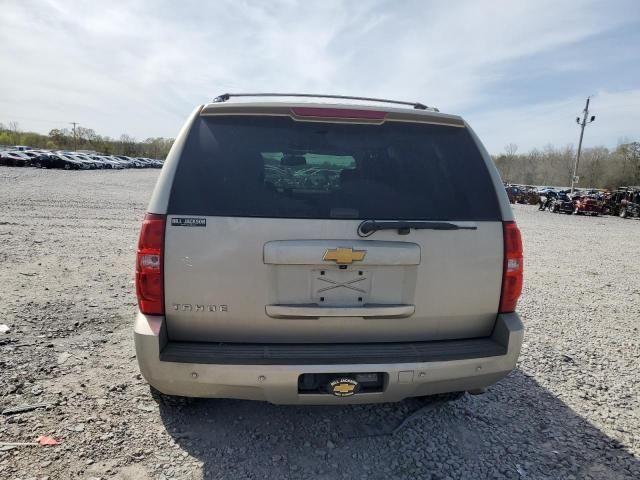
column 513, row 268
column 149, row 265
column 347, row 113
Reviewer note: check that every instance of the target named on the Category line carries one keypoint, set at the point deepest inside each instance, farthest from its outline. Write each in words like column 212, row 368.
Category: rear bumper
column 278, row 383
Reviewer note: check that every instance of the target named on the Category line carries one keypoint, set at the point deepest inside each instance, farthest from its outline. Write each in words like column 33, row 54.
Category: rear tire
column 171, row 401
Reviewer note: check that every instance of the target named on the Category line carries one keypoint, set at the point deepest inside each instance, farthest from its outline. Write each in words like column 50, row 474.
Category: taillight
column 346, row 113
column 512, row 269
column 149, row 265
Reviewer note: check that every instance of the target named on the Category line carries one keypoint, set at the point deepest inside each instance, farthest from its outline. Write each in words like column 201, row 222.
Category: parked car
column 546, row 199
column 611, row 202
column 43, row 159
column 108, row 161
column 68, row 162
column 617, row 202
column 586, row 205
column 91, row 164
column 146, row 162
column 114, row 161
column 531, row 196
column 561, row 204
column 630, row 204
column 14, row 158
column 515, row 194
column 242, row 201
column 92, row 159
column 22, row 155
column 629, row 209
column 130, row 162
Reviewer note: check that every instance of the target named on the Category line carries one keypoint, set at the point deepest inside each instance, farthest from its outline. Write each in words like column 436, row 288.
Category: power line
column 582, row 124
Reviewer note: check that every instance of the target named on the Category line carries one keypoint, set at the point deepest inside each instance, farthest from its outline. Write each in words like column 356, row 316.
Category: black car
column 58, row 160
column 561, row 204
column 38, row 158
column 630, row 205
column 546, row 199
column 14, row 158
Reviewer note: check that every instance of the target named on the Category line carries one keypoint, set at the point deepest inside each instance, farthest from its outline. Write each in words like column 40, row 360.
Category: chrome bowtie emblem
column 344, row 256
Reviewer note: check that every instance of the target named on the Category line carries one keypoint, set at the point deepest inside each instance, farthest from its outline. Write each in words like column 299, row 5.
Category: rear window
column 277, row 167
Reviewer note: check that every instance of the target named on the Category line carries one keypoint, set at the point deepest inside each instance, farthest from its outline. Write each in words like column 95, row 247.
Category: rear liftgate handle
column 315, row 311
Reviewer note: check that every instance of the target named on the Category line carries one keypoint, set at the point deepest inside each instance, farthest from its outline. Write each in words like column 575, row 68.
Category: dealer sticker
column 189, row 222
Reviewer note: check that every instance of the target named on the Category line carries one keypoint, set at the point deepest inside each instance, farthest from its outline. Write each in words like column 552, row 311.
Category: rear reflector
column 149, row 265
column 338, row 113
column 512, row 273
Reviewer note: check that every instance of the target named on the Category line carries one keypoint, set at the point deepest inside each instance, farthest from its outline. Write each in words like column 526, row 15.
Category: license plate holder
column 337, row 287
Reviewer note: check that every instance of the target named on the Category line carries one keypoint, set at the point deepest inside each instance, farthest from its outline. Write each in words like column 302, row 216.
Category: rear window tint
column 277, row 167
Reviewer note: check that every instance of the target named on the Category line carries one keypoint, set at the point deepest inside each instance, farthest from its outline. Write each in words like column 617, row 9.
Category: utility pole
column 582, row 124
column 75, row 142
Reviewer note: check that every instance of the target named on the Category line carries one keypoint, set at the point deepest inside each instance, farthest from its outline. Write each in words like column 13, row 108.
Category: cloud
column 140, row 67
column 533, row 126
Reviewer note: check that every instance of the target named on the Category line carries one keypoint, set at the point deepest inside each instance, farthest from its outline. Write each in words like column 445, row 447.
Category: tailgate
column 262, row 243
column 234, row 280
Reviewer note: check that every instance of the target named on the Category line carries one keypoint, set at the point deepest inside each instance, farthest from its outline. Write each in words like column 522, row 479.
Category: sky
column 517, row 71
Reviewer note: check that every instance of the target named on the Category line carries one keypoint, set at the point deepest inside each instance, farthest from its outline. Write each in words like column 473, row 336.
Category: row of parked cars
column 623, row 202
column 578, row 203
column 67, row 160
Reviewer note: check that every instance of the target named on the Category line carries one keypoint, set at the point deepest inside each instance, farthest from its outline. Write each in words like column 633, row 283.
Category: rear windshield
column 277, row 167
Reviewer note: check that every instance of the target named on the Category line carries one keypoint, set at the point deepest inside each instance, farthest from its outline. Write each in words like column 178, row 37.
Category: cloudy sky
column 519, row 71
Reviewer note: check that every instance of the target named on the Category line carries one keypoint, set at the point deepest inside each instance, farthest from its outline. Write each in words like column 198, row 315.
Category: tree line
column 599, row 167
column 86, row 139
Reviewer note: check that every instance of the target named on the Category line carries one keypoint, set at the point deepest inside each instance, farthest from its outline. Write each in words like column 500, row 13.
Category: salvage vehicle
column 630, row 204
column 586, row 205
column 515, row 194
column 301, row 252
column 531, row 196
column 562, row 204
column 546, row 199
column 611, row 202
column 629, row 210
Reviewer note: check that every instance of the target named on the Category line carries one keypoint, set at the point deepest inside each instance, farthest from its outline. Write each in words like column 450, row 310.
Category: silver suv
column 302, row 252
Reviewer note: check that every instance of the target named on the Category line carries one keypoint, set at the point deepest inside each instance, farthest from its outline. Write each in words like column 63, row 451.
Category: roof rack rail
column 418, row 106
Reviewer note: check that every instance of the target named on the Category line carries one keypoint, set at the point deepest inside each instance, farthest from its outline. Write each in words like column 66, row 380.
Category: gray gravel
column 570, row 410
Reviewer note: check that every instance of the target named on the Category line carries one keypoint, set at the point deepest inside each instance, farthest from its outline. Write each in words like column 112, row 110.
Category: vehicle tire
column 67, row 166
column 38, row 165
column 171, row 401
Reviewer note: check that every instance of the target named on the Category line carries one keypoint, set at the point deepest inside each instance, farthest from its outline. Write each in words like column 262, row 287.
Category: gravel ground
column 570, row 409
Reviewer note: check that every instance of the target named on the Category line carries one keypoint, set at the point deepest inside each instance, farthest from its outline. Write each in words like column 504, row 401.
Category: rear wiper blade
column 368, row 227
